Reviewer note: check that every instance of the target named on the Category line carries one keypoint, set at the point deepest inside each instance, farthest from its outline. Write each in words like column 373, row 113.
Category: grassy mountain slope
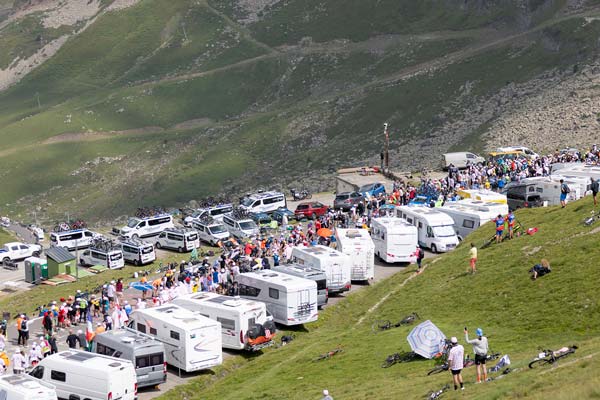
column 516, row 313
column 193, row 98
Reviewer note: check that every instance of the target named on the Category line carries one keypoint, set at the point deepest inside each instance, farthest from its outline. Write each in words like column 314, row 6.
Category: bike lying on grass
column 399, row 358
column 550, row 357
column 592, row 218
column 329, row 354
column 438, row 393
column 385, row 324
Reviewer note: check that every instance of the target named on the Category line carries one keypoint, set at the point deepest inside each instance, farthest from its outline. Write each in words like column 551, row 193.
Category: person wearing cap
column 480, row 348
column 326, row 395
column 456, row 358
column 19, row 362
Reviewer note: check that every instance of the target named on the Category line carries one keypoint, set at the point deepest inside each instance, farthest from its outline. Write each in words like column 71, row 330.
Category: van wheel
column 5, row 260
column 433, row 248
column 158, row 245
column 81, row 262
column 136, row 262
column 180, row 249
column 135, row 236
column 36, row 254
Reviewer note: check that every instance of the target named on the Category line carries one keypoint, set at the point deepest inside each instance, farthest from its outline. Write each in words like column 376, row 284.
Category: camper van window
column 116, row 256
column 249, row 291
column 322, row 284
column 382, row 236
column 251, row 322
column 532, row 188
column 98, row 256
column 148, row 250
column 429, row 231
column 174, row 335
column 420, row 225
column 228, row 324
column 149, row 360
column 468, row 223
column 141, row 328
column 171, row 236
column 58, row 376
column 273, row 293
column 38, row 372
column 539, row 190
column 159, row 221
column 153, row 331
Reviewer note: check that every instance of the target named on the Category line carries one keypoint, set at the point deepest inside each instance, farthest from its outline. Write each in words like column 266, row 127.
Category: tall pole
column 386, row 154
column 77, row 259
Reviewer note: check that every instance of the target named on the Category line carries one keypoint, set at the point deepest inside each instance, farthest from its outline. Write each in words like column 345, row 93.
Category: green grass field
column 6, row 236
column 517, row 314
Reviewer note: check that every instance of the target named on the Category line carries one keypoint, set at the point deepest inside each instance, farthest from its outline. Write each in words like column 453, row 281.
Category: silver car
column 344, row 201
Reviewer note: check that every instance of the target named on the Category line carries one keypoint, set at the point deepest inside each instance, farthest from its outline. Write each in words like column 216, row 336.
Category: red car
column 311, row 209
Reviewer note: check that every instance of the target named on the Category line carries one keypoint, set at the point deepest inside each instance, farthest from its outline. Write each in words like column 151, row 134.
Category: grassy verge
column 6, row 236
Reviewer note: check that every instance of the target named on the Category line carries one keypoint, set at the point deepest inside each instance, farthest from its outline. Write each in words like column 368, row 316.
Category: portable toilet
column 60, row 261
column 36, row 269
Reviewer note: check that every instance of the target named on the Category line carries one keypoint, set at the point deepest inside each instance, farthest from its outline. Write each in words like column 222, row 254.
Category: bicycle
column 329, row 354
column 438, row 393
column 399, row 358
column 487, row 243
column 383, row 325
column 592, row 218
column 471, row 361
column 550, row 357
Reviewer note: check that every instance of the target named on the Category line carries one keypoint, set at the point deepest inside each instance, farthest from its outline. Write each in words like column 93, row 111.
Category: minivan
column 145, row 227
column 137, row 252
column 72, row 240
column 214, row 212
column 240, row 228
column 520, row 197
column 178, row 239
column 263, row 202
column 211, row 231
column 461, row 159
column 112, row 259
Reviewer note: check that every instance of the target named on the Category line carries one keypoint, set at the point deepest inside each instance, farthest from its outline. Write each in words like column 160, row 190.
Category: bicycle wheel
column 539, row 363
column 381, row 325
column 437, row 370
column 389, row 362
column 494, row 356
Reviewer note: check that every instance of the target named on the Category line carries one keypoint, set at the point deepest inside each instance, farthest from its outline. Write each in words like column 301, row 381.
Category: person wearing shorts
column 456, row 358
column 480, row 348
column 499, row 227
column 510, row 218
column 473, row 258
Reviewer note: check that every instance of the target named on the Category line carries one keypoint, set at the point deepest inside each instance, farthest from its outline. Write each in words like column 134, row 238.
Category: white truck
column 14, row 251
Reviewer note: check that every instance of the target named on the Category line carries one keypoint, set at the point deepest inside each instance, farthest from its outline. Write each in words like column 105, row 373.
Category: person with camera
column 480, row 348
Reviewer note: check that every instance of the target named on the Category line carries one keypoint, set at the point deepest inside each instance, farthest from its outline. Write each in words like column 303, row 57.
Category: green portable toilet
column 36, row 269
column 60, row 261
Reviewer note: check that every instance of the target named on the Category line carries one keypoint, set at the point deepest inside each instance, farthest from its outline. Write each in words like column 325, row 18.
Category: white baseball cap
column 325, row 392
column 454, row 340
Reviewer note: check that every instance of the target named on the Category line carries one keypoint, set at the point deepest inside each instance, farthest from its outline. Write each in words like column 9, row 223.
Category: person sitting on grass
column 540, row 269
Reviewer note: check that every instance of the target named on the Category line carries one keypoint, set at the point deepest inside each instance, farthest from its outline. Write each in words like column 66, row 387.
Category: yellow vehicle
column 496, row 155
column 482, row 195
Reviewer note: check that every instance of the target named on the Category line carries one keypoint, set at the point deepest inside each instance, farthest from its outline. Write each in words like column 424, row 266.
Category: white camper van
column 145, row 227
column 468, row 216
column 72, row 240
column 336, row 265
column 263, row 202
column 178, row 239
column 211, row 231
column 137, row 252
column 291, row 300
column 71, row 373
column 436, row 229
column 111, row 259
column 358, row 245
column 24, row 387
column 237, row 317
column 240, row 228
column 192, row 342
column 214, row 212
column 395, row 239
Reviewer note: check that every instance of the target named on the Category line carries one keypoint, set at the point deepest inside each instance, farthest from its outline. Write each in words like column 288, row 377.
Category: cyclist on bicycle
column 480, row 348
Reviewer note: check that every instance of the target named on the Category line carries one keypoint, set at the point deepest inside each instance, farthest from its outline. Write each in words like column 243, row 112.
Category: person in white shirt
column 456, row 357
column 19, row 362
column 480, row 348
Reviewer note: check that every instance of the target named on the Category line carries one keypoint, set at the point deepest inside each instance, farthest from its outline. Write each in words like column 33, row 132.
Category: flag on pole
column 89, row 329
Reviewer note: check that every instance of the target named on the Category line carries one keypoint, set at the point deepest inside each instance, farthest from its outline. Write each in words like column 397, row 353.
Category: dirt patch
column 193, row 123
column 92, row 136
column 70, row 12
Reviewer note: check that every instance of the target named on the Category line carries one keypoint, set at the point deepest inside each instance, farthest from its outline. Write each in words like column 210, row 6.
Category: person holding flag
column 89, row 332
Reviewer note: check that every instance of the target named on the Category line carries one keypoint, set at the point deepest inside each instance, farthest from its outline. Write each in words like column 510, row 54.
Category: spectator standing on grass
column 499, row 220
column 595, row 187
column 473, row 258
column 480, row 348
column 420, row 255
column 456, row 358
column 564, row 191
column 326, row 395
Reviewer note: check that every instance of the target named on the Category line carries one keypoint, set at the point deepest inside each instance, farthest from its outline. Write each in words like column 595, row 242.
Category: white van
column 466, row 219
column 112, row 259
column 336, row 265
column 461, row 159
column 357, row 244
column 72, row 240
column 395, row 239
column 240, row 228
column 137, row 252
column 215, row 212
column 178, row 239
column 84, row 375
column 489, row 210
column 192, row 342
column 263, row 202
column 145, row 227
column 436, row 229
column 211, row 231
column 291, row 300
column 24, row 387
column 236, row 315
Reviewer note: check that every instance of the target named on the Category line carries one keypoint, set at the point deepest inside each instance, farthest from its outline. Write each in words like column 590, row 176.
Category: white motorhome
column 138, row 252
column 192, row 342
column 111, row 259
column 489, row 210
column 358, row 245
column 84, row 375
column 236, row 315
column 24, row 387
column 178, row 239
column 145, row 227
column 291, row 300
column 263, row 202
column 395, row 239
column 215, row 212
column 468, row 218
column 240, row 228
column 336, row 265
column 436, row 229
column 72, row 240
column 211, row 231
column 461, row 159
column 549, row 188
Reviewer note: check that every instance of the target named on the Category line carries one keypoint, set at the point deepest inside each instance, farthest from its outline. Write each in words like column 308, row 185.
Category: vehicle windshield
column 366, row 188
column 148, row 250
column 342, row 196
column 247, row 201
column 133, row 222
column 196, row 214
column 444, row 231
column 116, row 256
column 248, row 225
column 215, row 229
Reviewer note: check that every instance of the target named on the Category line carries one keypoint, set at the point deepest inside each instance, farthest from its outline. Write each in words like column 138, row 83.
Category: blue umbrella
column 140, row 286
column 426, row 339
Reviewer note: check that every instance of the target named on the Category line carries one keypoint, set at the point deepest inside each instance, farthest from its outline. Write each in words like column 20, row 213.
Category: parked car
column 19, row 251
column 311, row 209
column 280, row 212
column 372, row 189
column 344, row 201
column 261, row 218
